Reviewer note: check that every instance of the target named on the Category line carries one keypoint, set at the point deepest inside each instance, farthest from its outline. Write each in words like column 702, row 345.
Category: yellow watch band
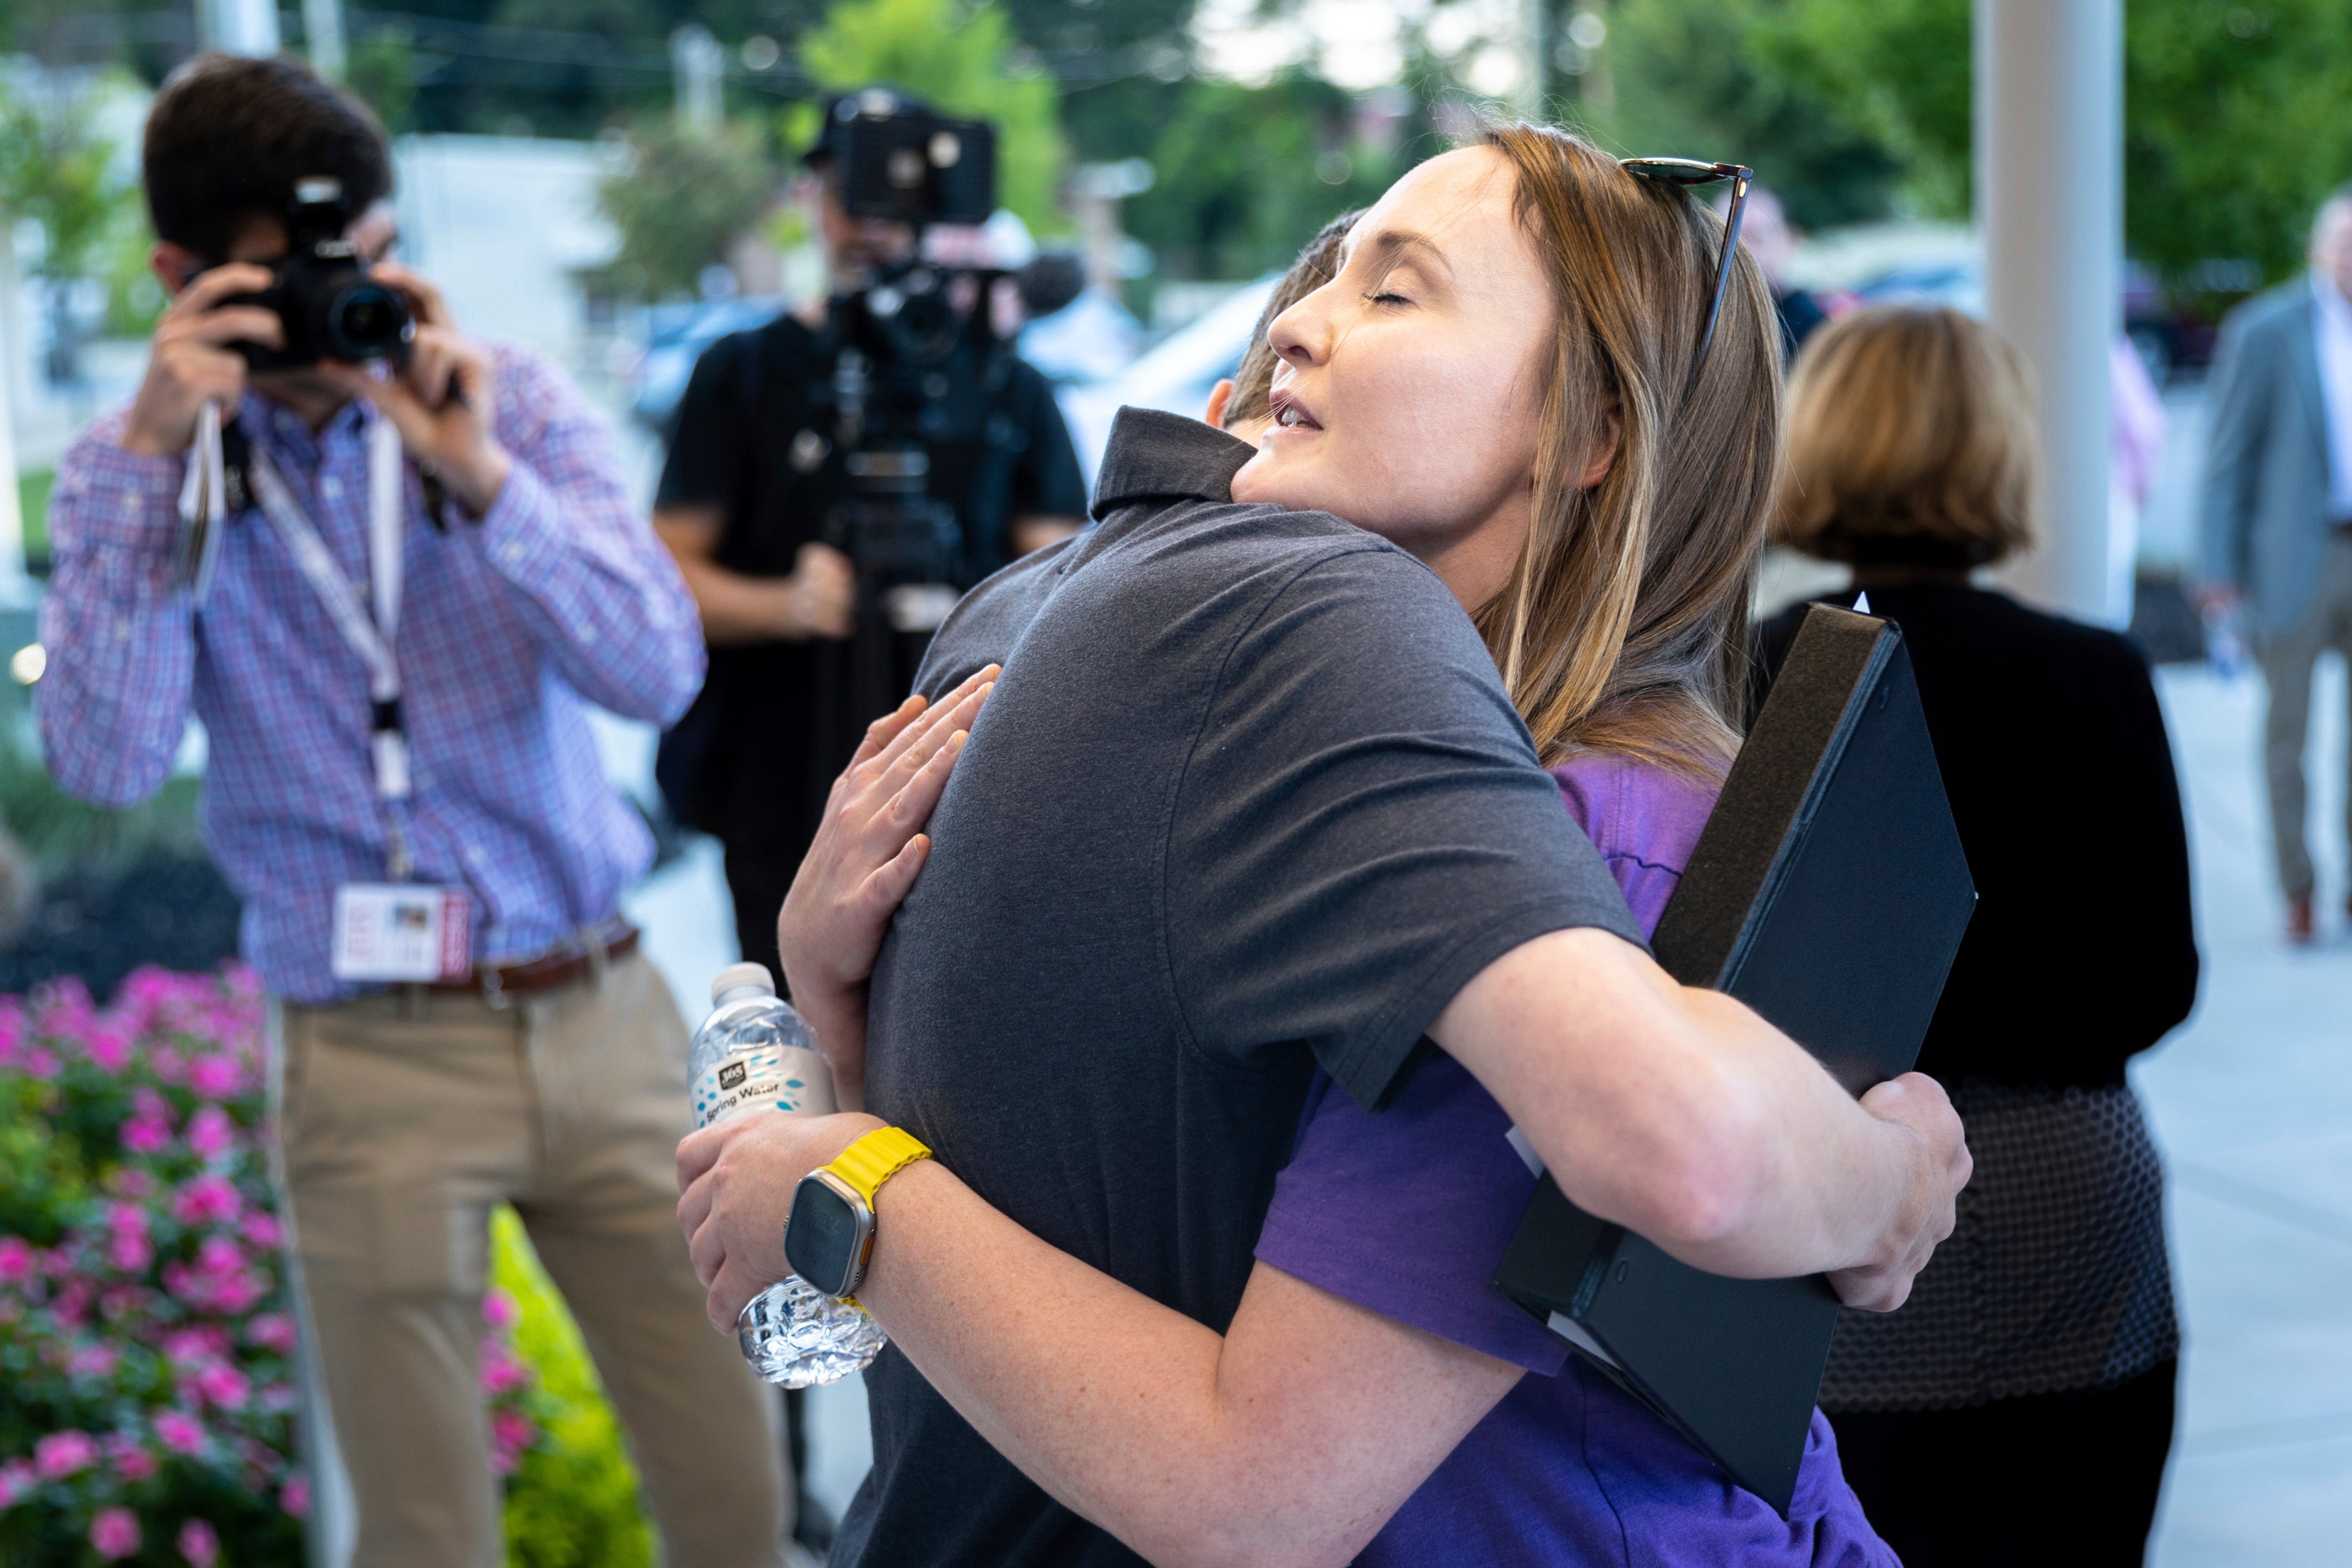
column 876, row 1158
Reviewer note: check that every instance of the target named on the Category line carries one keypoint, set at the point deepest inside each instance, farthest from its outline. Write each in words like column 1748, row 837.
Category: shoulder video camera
column 899, row 163
column 321, row 290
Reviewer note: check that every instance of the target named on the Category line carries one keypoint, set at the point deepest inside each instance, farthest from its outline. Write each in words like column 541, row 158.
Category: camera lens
column 367, row 321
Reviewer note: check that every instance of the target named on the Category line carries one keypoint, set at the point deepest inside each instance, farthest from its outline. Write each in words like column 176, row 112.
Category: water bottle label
column 783, row 1076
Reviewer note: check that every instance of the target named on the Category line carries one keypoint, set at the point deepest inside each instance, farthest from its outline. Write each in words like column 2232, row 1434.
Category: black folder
column 1829, row 892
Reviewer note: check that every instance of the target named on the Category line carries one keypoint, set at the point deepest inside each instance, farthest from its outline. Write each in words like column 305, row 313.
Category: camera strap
column 368, row 627
column 204, row 505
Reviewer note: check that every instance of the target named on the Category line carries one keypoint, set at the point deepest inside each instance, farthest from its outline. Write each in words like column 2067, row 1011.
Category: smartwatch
column 830, row 1233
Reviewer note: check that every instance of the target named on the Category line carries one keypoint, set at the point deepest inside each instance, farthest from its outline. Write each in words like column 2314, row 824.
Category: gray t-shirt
column 1249, row 798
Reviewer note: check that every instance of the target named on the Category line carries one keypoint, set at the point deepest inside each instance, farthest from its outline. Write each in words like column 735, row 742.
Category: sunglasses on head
column 1687, row 171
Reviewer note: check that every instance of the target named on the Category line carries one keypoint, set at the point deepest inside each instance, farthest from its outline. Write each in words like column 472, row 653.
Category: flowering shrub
column 146, row 1340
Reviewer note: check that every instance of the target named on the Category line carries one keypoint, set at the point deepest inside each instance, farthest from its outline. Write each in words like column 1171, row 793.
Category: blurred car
column 674, row 336
column 1176, row 374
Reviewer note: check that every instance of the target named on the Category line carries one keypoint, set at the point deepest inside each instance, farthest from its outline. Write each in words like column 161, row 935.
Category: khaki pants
column 405, row 1118
column 2287, row 659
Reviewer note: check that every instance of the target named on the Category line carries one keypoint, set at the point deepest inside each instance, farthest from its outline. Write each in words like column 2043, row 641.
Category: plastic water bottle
column 754, row 1052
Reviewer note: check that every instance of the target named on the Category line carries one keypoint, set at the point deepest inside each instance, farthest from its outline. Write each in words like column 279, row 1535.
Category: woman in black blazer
column 2018, row 1410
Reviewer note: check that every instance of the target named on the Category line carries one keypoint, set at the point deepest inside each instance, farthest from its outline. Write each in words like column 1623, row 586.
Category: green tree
column 2233, row 117
column 1894, row 73
column 1246, row 175
column 56, row 169
column 966, row 61
column 1712, row 79
column 681, row 201
column 2234, row 130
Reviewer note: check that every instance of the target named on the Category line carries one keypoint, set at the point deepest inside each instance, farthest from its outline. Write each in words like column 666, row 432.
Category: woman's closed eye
column 1385, row 298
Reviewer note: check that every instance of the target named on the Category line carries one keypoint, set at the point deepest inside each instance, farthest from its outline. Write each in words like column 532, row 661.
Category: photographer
column 422, row 568
column 812, row 634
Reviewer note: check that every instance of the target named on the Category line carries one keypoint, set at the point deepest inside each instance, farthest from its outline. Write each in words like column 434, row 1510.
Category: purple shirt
column 1408, row 1213
column 509, row 627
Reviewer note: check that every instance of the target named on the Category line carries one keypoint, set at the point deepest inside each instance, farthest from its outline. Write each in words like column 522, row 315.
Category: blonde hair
column 1623, row 627
column 1910, row 441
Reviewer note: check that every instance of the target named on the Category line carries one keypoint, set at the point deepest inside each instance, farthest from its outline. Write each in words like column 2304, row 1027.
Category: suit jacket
column 2264, row 519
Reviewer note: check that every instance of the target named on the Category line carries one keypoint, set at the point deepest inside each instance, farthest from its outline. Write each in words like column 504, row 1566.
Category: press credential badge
column 399, row 931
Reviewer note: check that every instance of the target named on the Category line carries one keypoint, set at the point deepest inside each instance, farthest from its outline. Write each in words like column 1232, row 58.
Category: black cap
column 870, row 102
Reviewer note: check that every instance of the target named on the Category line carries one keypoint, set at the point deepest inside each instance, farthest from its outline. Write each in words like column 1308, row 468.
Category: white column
column 322, row 35
column 239, row 27
column 698, row 69
column 2049, row 193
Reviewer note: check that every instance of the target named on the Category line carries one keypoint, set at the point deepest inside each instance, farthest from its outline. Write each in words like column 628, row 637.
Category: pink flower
column 211, row 1134
column 498, row 1310
column 213, row 1077
column 294, row 1496
column 222, row 1384
column 260, row 1229
column 180, row 1432
column 106, row 1048
column 17, row 1260
column 40, row 1063
column 195, row 1347
column 130, row 1253
column 207, row 1200
column 198, row 1544
column 63, row 1454
column 92, row 1361
column 71, row 1306
column 131, row 1181
column 130, row 1458
column 272, row 1331
column 114, row 1533
column 150, row 1106
column 510, row 1433
column 141, row 1136
column 501, row 1373
column 117, row 1302
column 17, row 1480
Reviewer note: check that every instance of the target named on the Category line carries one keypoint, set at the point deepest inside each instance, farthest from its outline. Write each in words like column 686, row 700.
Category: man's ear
column 1219, row 396
column 172, row 266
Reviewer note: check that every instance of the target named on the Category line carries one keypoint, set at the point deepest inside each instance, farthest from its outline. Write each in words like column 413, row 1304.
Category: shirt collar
column 1157, row 456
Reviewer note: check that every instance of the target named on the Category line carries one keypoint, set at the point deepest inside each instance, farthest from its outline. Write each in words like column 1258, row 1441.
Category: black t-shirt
column 753, row 435
column 1250, row 797
column 2083, row 950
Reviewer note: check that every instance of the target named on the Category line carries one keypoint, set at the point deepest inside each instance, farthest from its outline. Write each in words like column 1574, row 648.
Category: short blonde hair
column 1910, row 441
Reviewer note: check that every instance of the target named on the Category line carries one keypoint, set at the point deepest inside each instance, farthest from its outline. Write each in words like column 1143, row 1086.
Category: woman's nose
column 1298, row 334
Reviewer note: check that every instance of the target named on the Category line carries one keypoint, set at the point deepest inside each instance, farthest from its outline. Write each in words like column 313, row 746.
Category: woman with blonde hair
column 2031, row 1371
column 1517, row 378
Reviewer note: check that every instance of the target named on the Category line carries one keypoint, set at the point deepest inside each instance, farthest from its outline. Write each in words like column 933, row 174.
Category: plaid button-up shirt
column 561, row 594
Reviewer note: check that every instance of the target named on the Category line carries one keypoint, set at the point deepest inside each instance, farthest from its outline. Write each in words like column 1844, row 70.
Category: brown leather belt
column 552, row 970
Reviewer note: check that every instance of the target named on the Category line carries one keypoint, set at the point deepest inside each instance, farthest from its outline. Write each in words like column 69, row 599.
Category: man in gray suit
column 2277, row 513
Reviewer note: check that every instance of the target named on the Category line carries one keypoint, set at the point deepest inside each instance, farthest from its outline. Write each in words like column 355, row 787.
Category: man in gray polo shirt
column 1249, row 799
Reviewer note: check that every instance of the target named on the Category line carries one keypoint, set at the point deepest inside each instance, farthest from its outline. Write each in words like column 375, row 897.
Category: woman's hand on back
column 868, row 852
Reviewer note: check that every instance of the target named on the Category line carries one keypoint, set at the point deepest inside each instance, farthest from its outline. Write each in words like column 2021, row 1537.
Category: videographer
column 389, row 567
column 776, row 502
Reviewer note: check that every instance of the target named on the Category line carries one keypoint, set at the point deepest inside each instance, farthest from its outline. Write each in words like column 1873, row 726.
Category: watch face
column 826, row 1233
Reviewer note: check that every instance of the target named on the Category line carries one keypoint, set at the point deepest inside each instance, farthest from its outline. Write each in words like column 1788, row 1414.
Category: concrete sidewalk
column 2251, row 1100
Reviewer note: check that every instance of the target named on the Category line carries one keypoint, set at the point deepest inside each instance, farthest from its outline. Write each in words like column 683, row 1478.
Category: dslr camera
column 321, row 291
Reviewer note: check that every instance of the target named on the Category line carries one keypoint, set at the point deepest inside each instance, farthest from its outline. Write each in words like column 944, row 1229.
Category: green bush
column 572, row 1500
